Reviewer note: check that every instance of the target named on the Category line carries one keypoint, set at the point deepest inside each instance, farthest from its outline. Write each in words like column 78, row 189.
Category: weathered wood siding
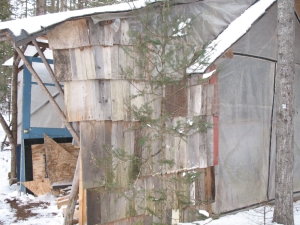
column 99, row 97
column 113, row 208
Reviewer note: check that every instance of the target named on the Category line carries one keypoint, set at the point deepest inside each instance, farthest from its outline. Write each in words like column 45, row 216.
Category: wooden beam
column 82, row 199
column 35, row 55
column 73, row 196
column 40, row 44
column 51, row 73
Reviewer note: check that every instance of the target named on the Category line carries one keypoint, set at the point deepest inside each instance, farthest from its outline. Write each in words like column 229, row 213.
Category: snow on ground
column 16, row 209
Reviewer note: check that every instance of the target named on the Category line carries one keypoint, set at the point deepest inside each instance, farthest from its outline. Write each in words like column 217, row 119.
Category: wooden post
column 73, row 195
column 82, row 199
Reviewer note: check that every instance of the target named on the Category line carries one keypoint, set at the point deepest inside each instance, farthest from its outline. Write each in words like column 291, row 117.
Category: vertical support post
column 25, row 121
column 82, row 199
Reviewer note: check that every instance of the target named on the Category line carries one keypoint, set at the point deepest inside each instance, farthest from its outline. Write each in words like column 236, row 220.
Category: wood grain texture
column 70, row 34
column 93, row 206
column 103, row 61
column 62, row 61
column 60, row 163
column 95, row 146
column 38, row 161
column 39, row 186
column 102, row 34
column 82, row 63
column 88, row 100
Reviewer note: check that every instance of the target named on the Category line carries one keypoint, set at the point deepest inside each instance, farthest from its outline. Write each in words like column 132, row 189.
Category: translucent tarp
column 246, row 96
column 246, row 171
column 43, row 113
column 210, row 18
column 261, row 39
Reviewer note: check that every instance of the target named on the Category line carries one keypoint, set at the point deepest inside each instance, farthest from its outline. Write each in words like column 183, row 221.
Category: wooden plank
column 75, row 100
column 62, row 203
column 126, row 100
column 195, row 98
column 93, row 206
column 96, row 32
column 200, row 191
column 120, row 165
column 105, row 99
column 108, row 36
column 204, row 99
column 69, row 147
column 103, row 62
column 96, row 162
column 73, row 65
column 82, row 63
column 102, row 34
column 125, row 61
column 117, row 104
column 88, row 100
column 70, row 34
column 38, row 186
column 61, row 164
column 210, row 142
column 209, row 99
column 82, row 199
column 38, row 161
column 115, row 74
column 209, row 187
column 62, row 61
column 216, row 97
column 124, row 29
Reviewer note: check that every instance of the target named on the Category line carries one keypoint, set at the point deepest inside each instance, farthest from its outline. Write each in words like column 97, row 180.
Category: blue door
column 28, row 130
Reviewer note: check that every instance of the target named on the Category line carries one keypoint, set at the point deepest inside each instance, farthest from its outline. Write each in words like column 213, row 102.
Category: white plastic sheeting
column 245, row 174
column 246, row 96
column 43, row 113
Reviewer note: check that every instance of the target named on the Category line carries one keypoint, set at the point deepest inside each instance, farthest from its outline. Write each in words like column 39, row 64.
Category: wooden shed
column 98, row 95
column 223, row 168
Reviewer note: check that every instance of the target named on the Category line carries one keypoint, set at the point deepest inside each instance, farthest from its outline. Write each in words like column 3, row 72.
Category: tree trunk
column 63, row 5
column 40, row 7
column 285, row 76
column 80, row 4
column 14, row 118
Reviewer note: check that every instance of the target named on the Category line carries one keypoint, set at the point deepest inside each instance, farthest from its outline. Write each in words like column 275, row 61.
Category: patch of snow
column 204, row 212
column 181, row 27
column 35, row 24
column 230, row 35
column 45, row 214
column 207, row 75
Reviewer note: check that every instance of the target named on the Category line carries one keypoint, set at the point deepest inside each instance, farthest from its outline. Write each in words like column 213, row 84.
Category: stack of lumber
column 52, row 164
column 62, row 203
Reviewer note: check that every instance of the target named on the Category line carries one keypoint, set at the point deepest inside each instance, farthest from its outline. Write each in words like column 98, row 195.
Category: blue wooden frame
column 33, row 132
